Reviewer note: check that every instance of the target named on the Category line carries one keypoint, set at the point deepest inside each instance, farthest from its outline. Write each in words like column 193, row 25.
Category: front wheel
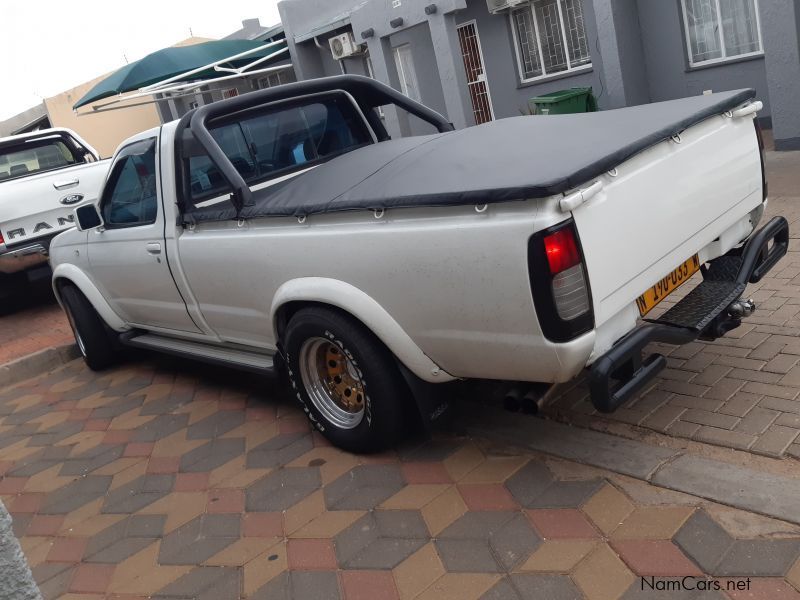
column 346, row 380
column 90, row 332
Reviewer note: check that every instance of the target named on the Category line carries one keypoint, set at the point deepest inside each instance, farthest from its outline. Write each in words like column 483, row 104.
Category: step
column 233, row 357
column 702, row 305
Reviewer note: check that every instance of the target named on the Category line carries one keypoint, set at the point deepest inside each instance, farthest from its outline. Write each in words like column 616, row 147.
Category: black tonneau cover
column 509, row 159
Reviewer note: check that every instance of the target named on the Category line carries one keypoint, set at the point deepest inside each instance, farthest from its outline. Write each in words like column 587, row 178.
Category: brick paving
column 168, row 480
column 742, row 391
column 32, row 323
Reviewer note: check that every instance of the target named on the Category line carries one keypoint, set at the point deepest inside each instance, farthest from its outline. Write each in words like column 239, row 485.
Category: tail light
column 560, row 287
column 2, row 241
column 762, row 147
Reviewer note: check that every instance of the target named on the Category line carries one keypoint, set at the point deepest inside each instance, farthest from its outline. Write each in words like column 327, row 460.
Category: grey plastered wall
column 780, row 26
column 667, row 64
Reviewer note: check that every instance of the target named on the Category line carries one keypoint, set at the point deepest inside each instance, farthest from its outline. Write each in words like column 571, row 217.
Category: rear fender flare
column 72, row 274
column 364, row 308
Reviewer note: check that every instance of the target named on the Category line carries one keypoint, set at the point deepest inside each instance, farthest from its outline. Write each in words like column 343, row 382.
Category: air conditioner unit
column 343, row 46
column 497, row 6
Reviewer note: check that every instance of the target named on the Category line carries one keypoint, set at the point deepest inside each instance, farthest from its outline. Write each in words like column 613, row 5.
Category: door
column 127, row 255
column 476, row 75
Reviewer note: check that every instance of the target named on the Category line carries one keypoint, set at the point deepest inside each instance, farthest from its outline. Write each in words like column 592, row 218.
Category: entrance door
column 476, row 76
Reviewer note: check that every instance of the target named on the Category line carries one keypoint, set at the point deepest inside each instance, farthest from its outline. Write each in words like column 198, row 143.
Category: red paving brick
column 163, row 465
column 311, row 555
column 191, row 482
column 67, row 550
column 561, row 523
column 44, row 525
column 425, row 472
column 487, row 497
column 369, row 585
column 91, row 578
column 262, row 525
column 140, row 449
column 659, row 558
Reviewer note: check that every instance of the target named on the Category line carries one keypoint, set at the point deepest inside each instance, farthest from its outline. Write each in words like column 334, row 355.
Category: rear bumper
column 706, row 313
column 22, row 259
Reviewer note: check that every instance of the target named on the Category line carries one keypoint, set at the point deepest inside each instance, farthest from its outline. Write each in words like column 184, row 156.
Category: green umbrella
column 170, row 62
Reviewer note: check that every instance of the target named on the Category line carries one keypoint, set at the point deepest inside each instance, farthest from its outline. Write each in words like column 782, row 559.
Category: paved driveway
column 162, row 479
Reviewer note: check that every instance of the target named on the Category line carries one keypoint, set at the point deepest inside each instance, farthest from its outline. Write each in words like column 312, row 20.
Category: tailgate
column 665, row 205
column 32, row 207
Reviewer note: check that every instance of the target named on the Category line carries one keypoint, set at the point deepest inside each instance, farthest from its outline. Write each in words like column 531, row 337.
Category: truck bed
column 509, row 159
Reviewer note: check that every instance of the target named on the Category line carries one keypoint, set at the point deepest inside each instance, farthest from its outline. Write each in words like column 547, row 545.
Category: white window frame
column 724, row 58
column 404, row 77
column 545, row 75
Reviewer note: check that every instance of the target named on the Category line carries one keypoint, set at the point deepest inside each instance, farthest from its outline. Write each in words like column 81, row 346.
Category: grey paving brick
column 723, row 437
column 788, row 420
column 120, row 550
column 792, row 378
column 503, row 590
column 683, row 429
column 740, row 404
column 381, row 539
column 40, row 461
column 531, row 586
column 703, row 417
column 296, row 585
column 566, row 494
column 477, row 525
column 160, row 427
column 703, row 540
column 135, row 495
column 211, row 455
column 74, row 495
column 282, row 489
column 725, row 389
column 199, row 539
column 783, row 363
column 693, row 402
column 435, row 450
column 117, row 407
column 215, row 425
column 775, row 441
column 529, row 482
column 781, row 405
column 364, row 487
column 773, row 391
column 757, row 420
column 746, row 375
column 467, row 556
column 794, row 451
column 514, row 542
column 759, row 558
column 663, row 417
column 279, row 451
column 205, row 583
column 165, row 406
column 97, row 457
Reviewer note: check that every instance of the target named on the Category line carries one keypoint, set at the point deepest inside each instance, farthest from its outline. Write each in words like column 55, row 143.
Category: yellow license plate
column 663, row 288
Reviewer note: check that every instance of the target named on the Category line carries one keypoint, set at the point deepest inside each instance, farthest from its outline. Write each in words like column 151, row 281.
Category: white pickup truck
column 44, row 175
column 284, row 227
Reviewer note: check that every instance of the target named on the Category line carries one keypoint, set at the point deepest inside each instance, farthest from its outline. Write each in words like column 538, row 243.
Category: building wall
column 103, row 130
column 509, row 96
column 667, row 64
column 780, row 20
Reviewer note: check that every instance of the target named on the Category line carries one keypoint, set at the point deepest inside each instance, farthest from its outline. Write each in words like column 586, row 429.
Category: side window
column 130, row 197
column 278, row 142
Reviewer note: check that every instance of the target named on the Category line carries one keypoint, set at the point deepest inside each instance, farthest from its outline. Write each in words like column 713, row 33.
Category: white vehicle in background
column 44, row 175
column 284, row 227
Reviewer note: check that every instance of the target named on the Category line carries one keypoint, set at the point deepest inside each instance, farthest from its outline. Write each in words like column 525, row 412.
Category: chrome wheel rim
column 78, row 338
column 332, row 382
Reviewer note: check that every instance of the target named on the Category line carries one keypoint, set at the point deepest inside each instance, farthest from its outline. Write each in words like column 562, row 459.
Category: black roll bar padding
column 367, row 93
column 757, row 258
column 627, row 351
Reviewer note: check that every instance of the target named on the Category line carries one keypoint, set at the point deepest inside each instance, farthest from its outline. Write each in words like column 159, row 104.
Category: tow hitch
column 711, row 310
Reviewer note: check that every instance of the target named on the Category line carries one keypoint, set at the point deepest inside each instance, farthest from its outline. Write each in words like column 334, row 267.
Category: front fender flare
column 71, row 273
column 363, row 307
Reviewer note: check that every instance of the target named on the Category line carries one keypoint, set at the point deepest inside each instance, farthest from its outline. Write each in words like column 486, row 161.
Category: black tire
column 91, row 334
column 385, row 392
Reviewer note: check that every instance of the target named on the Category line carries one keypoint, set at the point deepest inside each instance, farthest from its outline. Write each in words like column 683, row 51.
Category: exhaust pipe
column 512, row 399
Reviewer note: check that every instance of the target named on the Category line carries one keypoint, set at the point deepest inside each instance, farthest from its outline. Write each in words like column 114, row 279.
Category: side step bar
column 706, row 312
column 229, row 357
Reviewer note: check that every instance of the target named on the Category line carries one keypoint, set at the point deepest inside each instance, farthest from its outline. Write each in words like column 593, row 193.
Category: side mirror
column 88, row 217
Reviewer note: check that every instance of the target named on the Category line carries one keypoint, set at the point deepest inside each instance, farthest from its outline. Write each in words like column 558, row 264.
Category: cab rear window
column 270, row 144
column 29, row 158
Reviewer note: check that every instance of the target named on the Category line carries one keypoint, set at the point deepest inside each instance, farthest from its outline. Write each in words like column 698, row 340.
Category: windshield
column 37, row 156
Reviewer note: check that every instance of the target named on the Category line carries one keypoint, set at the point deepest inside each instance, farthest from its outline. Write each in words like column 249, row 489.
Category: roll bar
column 368, row 94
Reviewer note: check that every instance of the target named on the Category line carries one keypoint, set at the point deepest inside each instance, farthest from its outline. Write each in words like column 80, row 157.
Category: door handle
column 65, row 185
column 153, row 248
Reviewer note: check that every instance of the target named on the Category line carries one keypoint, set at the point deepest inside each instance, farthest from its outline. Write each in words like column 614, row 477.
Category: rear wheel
column 346, row 380
column 91, row 334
